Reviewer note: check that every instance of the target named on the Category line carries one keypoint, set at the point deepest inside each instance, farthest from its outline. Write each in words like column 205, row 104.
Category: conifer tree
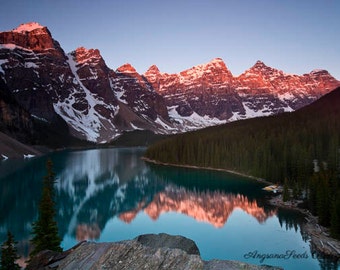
column 9, row 254
column 323, row 196
column 45, row 229
column 335, row 217
column 285, row 193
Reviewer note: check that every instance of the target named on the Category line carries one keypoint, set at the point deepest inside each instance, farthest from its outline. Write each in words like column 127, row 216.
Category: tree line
column 299, row 150
column 45, row 229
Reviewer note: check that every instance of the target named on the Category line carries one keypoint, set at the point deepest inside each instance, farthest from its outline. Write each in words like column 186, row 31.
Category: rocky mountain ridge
column 98, row 103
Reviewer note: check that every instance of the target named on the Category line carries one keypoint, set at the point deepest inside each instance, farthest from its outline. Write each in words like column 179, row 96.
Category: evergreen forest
column 300, row 150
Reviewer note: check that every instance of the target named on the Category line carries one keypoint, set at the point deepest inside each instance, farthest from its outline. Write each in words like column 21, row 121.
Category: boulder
column 151, row 251
column 129, row 255
column 164, row 240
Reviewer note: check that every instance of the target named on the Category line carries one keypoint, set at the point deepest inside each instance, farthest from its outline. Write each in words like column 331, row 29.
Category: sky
column 293, row 36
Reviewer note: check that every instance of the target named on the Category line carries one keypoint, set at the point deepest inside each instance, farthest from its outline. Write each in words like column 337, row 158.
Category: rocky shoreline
column 150, row 251
column 320, row 239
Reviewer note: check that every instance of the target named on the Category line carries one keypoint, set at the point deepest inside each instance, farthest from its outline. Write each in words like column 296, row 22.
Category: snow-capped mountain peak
column 260, row 76
column 259, row 63
column 153, row 70
column 217, row 62
column 127, row 68
column 261, row 67
column 153, row 76
column 214, row 66
column 28, row 27
column 82, row 55
column 31, row 36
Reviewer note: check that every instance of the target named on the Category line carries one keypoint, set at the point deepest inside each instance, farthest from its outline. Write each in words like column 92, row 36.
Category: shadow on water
column 99, row 187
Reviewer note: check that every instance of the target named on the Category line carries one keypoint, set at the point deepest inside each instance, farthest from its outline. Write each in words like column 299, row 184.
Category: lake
column 111, row 195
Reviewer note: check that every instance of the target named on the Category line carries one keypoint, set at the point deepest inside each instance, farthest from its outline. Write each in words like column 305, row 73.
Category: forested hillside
column 285, row 148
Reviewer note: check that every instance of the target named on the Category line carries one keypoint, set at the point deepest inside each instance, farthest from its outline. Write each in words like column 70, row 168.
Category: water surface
column 111, row 195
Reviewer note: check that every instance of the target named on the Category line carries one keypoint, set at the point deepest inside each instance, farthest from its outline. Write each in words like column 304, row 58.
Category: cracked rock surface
column 149, row 251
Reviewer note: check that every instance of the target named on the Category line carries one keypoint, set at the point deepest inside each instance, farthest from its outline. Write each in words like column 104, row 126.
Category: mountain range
column 76, row 94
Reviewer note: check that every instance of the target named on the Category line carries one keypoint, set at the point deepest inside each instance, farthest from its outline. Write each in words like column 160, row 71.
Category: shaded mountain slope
column 11, row 148
column 274, row 147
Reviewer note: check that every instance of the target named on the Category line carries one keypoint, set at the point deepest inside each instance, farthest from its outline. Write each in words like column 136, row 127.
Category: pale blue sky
column 294, row 36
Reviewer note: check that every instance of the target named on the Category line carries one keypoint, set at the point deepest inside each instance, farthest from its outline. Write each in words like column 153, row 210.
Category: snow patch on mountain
column 165, row 127
column 119, row 95
column 10, row 46
column 251, row 113
column 286, row 96
column 118, row 90
column 2, row 61
column 135, row 127
column 31, row 65
column 194, row 121
column 88, row 122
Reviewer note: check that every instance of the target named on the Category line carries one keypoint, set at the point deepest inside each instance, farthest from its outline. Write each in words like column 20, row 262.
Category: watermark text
column 289, row 254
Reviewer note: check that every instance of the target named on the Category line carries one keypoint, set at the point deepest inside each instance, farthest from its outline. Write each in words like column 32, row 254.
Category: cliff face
column 14, row 119
column 32, row 36
column 33, row 65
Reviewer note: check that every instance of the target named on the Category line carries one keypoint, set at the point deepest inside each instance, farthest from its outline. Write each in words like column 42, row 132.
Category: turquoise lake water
column 111, row 195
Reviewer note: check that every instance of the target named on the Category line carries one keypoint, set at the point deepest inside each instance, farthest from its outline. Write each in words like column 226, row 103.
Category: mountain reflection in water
column 120, row 184
column 212, row 207
column 111, row 194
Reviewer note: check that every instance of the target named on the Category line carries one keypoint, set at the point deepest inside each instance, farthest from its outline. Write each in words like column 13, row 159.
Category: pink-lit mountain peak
column 83, row 50
column 127, row 68
column 214, row 64
column 153, row 74
column 152, row 70
column 82, row 54
column 32, row 36
column 28, row 27
column 260, row 71
column 214, row 72
column 261, row 67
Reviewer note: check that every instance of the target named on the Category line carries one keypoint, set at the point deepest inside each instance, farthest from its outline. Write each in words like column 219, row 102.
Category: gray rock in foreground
column 164, row 240
column 143, row 252
column 235, row 265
